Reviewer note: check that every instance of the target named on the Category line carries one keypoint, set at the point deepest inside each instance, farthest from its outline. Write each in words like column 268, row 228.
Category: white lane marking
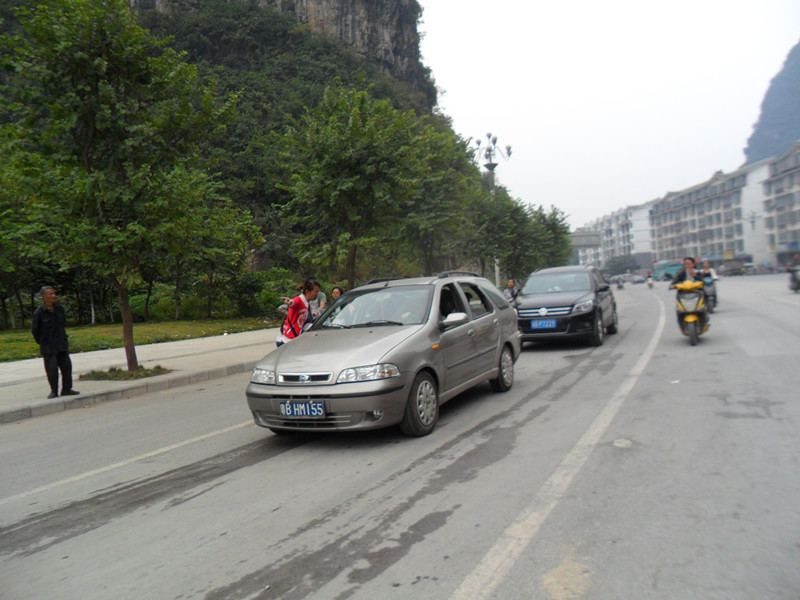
column 123, row 463
column 501, row 557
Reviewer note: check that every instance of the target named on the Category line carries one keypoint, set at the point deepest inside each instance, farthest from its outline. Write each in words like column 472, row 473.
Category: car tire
column 422, row 407
column 614, row 327
column 505, row 371
column 598, row 335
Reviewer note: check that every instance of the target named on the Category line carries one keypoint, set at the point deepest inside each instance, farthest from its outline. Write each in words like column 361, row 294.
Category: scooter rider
column 708, row 271
column 689, row 272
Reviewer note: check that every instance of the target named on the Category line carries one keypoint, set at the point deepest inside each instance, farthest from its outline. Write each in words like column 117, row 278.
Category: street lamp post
column 491, row 150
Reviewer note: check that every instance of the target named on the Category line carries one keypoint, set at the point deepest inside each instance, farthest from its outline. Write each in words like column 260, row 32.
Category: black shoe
column 69, row 392
column 52, row 395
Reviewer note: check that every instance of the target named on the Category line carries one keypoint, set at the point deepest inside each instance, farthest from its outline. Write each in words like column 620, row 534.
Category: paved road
column 641, row 469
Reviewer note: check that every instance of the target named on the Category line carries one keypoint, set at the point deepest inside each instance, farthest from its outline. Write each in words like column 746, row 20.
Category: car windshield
column 551, row 283
column 390, row 306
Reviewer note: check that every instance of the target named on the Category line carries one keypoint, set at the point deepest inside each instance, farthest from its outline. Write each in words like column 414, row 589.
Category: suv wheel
column 422, row 408
column 614, row 327
column 598, row 335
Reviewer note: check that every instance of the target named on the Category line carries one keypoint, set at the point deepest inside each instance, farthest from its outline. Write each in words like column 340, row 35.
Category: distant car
column 387, row 353
column 566, row 302
column 638, row 279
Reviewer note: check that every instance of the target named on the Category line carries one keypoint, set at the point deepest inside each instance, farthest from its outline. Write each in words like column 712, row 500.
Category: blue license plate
column 313, row 410
column 543, row 324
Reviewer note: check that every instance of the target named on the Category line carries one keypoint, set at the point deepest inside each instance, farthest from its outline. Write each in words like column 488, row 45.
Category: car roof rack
column 385, row 280
column 444, row 274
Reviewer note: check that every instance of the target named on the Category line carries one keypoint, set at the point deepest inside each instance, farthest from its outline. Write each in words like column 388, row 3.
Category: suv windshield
column 378, row 306
column 551, row 283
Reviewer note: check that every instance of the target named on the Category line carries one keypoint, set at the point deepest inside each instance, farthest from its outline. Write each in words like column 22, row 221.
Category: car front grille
column 330, row 421
column 304, row 378
column 552, row 311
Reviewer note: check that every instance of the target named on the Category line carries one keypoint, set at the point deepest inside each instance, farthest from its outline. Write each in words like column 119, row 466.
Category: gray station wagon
column 389, row 352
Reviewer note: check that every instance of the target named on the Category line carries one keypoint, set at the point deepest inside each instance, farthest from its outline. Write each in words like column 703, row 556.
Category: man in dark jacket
column 689, row 272
column 48, row 327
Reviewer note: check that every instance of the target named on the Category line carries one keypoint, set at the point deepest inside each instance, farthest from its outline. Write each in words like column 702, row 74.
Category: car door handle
column 471, row 332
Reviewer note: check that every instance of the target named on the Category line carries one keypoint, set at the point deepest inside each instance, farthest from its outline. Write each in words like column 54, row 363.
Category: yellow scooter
column 692, row 309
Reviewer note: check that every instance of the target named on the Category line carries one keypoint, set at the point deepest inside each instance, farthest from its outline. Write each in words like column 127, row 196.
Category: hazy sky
column 607, row 103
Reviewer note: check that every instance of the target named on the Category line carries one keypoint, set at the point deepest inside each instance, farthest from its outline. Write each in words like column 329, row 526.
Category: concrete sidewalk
column 24, row 388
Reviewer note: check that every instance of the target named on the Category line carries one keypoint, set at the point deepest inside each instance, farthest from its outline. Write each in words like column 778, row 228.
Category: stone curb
column 159, row 383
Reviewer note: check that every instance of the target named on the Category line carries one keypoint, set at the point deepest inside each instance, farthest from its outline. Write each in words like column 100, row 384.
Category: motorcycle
column 794, row 279
column 620, row 285
column 650, row 282
column 692, row 310
column 710, row 291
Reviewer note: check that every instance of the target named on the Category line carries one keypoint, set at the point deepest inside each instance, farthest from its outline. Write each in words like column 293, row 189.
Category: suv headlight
column 263, row 376
column 369, row 373
column 583, row 307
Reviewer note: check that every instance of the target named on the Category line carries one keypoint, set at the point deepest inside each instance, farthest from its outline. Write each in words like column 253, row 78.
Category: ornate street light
column 489, row 152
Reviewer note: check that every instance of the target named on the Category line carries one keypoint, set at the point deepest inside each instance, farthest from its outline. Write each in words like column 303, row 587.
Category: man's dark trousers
column 52, row 364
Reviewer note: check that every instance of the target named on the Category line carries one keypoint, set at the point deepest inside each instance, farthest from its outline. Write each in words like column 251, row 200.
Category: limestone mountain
column 778, row 126
column 384, row 32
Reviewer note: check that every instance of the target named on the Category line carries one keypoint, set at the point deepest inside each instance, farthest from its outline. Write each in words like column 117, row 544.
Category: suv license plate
column 543, row 324
column 314, row 410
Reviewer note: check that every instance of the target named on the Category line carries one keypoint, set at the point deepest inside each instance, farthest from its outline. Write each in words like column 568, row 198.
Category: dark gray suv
column 566, row 302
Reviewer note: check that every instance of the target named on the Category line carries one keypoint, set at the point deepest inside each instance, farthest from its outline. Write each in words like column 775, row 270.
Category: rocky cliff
column 778, row 126
column 383, row 31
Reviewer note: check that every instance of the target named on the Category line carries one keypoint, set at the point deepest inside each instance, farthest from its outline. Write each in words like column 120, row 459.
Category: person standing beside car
column 512, row 291
column 49, row 329
column 299, row 311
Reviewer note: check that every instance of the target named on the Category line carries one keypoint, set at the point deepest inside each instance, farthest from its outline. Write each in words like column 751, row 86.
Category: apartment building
column 781, row 206
column 721, row 219
column 623, row 232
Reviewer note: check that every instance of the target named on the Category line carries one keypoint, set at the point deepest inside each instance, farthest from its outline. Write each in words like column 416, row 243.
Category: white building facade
column 781, row 206
column 720, row 220
column 624, row 232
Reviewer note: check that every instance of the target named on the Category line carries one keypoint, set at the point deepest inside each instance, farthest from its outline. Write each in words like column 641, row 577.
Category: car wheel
column 422, row 407
column 505, row 372
column 598, row 335
column 614, row 327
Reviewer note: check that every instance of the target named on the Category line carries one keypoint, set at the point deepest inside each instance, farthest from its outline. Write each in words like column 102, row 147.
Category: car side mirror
column 604, row 287
column 453, row 320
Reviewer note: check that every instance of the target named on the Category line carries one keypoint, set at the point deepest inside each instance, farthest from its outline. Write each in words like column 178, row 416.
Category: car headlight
column 369, row 373
column 583, row 307
column 263, row 376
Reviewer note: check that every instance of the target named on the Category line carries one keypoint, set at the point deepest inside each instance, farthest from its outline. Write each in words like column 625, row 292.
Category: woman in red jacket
column 298, row 312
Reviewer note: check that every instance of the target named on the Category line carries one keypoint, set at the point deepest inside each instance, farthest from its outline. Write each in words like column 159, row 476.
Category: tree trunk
column 147, row 301
column 177, row 290
column 350, row 267
column 210, row 295
column 21, row 309
column 127, row 325
column 91, row 307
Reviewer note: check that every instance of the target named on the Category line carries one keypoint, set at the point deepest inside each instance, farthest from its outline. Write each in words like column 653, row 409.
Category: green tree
column 356, row 165
column 435, row 225
column 116, row 119
column 621, row 264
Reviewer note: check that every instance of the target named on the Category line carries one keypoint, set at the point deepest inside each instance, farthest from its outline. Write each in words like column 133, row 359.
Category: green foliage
column 621, row 264
column 355, row 165
column 116, row 120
